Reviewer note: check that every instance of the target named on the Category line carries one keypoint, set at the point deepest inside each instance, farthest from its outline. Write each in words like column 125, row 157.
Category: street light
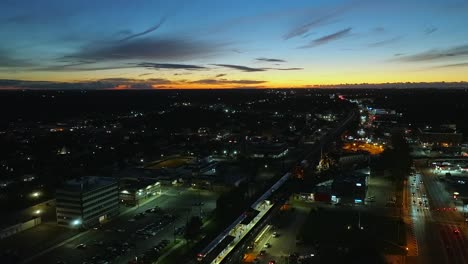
column 37, row 212
column 35, row 194
column 76, row 222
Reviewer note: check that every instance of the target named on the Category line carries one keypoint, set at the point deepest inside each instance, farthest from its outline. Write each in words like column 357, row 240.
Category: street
column 440, row 230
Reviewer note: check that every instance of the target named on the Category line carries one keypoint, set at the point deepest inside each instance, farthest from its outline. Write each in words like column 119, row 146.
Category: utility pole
column 359, row 220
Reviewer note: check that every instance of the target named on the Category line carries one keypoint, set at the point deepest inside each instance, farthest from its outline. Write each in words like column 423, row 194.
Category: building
column 87, row 201
column 134, row 192
column 350, row 187
column 19, row 227
column 267, row 150
column 444, row 136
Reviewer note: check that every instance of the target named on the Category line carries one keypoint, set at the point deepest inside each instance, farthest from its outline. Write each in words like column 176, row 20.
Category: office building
column 87, row 201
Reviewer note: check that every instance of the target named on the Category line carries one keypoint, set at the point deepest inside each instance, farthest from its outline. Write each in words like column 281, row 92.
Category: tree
column 397, row 158
column 193, row 228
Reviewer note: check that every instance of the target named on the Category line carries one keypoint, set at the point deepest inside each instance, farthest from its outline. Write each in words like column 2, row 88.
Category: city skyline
column 242, row 44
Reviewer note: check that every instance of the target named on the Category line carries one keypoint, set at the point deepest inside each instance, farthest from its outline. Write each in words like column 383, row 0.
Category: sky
column 143, row 44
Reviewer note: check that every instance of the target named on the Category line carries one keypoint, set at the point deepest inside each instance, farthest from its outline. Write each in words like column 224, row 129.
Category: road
column 179, row 202
column 435, row 228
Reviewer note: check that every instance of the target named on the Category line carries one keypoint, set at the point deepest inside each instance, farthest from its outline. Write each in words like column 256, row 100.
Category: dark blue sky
column 233, row 43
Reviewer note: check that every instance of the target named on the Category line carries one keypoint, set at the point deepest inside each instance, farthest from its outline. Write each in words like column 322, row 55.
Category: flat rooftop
column 87, row 183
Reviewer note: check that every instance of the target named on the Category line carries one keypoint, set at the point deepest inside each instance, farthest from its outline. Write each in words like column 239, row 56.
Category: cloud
column 147, row 48
column 159, row 66
column 384, row 42
column 9, row 61
column 123, row 32
column 328, row 38
column 155, row 81
column 182, row 73
column 76, row 67
column 308, row 34
column 93, row 66
column 322, row 17
column 454, row 65
column 42, row 85
column 378, row 29
column 118, row 80
column 144, row 74
column 221, row 75
column 149, row 30
column 241, row 68
column 250, row 69
column 299, row 31
column 270, row 60
column 287, row 69
column 121, row 83
column 438, row 54
column 225, row 81
column 430, row 30
column 305, row 28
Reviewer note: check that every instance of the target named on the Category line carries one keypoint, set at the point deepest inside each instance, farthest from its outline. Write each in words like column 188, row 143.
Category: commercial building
column 350, row 187
column 7, row 231
column 134, row 192
column 87, row 201
column 267, row 150
column 444, row 136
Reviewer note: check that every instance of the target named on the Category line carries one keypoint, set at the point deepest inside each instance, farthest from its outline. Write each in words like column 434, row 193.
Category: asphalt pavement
column 180, row 202
column 440, row 230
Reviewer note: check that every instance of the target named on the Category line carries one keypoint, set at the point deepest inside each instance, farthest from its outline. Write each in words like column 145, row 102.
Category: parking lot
column 143, row 233
column 276, row 242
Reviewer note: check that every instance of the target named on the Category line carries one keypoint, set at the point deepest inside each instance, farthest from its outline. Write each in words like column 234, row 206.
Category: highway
column 440, row 231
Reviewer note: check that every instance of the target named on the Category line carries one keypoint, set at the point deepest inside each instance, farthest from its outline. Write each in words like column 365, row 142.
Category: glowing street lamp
column 35, row 194
column 76, row 222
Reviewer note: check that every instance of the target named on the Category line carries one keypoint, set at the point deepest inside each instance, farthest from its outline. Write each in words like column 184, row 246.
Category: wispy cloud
column 225, row 81
column 269, row 60
column 328, row 38
column 175, row 48
column 385, row 42
column 287, row 69
column 182, row 73
column 158, row 66
column 123, row 83
column 149, row 30
column 7, row 60
column 250, row 69
column 123, row 32
column 320, row 18
column 438, row 54
column 430, row 30
column 241, row 68
column 144, row 74
column 303, row 29
column 378, row 29
column 454, row 65
column 220, row 75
